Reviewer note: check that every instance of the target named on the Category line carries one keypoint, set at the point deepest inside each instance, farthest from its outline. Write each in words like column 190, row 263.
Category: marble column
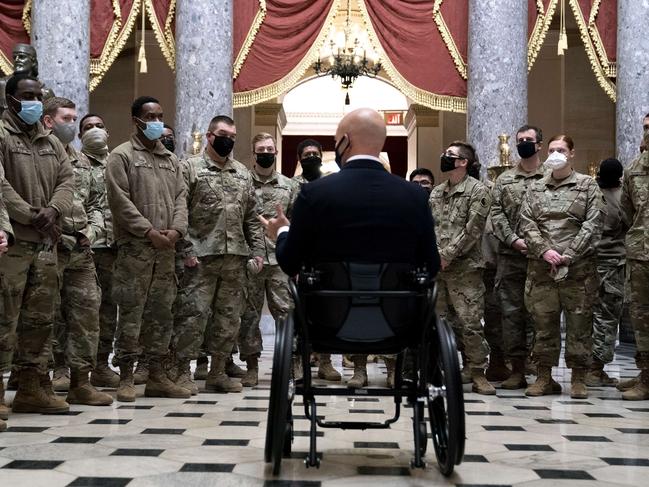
column 61, row 36
column 497, row 84
column 632, row 76
column 203, row 65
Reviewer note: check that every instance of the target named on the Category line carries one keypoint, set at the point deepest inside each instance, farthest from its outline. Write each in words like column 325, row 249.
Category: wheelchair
column 360, row 308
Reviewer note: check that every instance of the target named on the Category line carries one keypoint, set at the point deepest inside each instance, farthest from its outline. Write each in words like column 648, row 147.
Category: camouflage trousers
column 144, row 288
column 546, row 299
column 517, row 321
column 608, row 309
column 638, row 274
column 29, row 286
column 104, row 262
column 212, row 291
column 460, row 300
column 76, row 329
column 271, row 283
column 493, row 324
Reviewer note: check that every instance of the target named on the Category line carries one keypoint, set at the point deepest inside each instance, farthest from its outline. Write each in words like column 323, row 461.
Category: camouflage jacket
column 635, row 208
column 565, row 216
column 278, row 190
column 105, row 237
column 145, row 190
column 38, row 174
column 507, row 194
column 5, row 224
column 222, row 209
column 84, row 216
column 611, row 245
column 460, row 214
column 489, row 240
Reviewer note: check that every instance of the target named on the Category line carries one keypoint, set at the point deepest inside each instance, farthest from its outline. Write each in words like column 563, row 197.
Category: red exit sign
column 393, row 118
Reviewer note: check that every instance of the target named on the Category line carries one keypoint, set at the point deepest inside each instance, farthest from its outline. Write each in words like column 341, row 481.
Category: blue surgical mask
column 153, row 130
column 30, row 111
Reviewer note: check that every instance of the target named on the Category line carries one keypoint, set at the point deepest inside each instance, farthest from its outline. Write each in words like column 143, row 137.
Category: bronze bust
column 25, row 61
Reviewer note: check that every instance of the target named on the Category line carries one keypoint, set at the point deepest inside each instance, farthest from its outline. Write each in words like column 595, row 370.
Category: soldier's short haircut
column 52, row 105
column 466, row 151
column 260, row 137
column 220, row 119
column 12, row 83
column 422, row 171
column 537, row 131
column 308, row 143
column 90, row 115
column 136, row 107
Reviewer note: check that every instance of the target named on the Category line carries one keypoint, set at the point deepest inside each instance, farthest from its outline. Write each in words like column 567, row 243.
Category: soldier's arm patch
column 483, row 202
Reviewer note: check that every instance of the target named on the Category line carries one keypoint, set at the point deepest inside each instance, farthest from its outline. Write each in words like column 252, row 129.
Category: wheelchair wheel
column 288, row 435
column 445, row 401
column 280, row 403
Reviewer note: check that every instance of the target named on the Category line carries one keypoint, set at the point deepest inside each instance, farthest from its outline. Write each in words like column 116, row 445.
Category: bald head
column 360, row 132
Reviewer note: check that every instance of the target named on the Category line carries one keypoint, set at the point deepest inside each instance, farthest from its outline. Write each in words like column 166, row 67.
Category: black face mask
column 447, row 163
column 311, row 167
column 265, row 159
column 169, row 143
column 222, row 145
column 526, row 149
column 339, row 154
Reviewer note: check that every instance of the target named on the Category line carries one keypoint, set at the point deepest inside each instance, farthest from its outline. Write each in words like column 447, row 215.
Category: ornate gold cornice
column 258, row 95
column 447, row 37
column 250, row 38
column 417, row 95
column 164, row 34
column 540, row 31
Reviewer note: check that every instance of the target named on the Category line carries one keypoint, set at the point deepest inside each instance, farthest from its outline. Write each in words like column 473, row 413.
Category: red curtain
column 245, row 13
column 12, row 31
column 162, row 15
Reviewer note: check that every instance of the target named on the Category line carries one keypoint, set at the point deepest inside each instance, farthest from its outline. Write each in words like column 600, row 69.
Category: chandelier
column 347, row 54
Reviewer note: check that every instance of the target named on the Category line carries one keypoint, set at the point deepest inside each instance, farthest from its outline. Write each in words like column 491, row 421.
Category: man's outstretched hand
column 274, row 224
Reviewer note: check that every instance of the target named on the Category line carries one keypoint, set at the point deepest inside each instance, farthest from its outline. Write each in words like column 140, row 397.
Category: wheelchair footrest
column 354, row 425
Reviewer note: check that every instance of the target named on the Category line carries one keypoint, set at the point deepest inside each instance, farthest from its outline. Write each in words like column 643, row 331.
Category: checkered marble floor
column 218, row 439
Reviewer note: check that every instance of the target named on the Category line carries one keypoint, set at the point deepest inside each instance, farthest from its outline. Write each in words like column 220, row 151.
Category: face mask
column 265, row 159
column 339, row 154
column 153, row 130
column 311, row 167
column 30, row 111
column 526, row 149
column 95, row 140
column 169, row 143
column 65, row 132
column 556, row 160
column 447, row 163
column 222, row 145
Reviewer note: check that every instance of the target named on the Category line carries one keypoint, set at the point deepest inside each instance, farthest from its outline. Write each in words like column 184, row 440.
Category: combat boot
column 326, row 371
column 347, row 362
column 141, row 375
column 625, row 385
column 184, row 377
column 465, row 373
column 517, row 378
column 251, row 377
column 102, row 375
column 82, row 392
column 359, row 379
column 217, row 379
column 640, row 391
column 159, row 384
column 480, row 383
column 3, row 426
column 4, row 410
column 126, row 387
column 497, row 371
column 232, row 369
column 31, row 397
column 61, row 379
column 544, row 384
column 391, row 367
column 201, row 368
column 597, row 377
column 578, row 389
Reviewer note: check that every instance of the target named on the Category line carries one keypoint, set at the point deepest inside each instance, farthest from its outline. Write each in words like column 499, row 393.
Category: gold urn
column 504, row 162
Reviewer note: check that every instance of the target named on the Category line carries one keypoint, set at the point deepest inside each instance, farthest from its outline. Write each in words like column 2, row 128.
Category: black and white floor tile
column 218, row 439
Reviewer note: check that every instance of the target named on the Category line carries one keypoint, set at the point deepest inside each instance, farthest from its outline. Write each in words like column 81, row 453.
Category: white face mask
column 556, row 160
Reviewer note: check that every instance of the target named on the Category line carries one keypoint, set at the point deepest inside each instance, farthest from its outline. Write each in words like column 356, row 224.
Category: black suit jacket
column 360, row 214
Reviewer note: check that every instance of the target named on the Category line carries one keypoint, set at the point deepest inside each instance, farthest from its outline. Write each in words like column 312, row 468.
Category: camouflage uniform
column 564, row 216
column 145, row 191
column 610, row 267
column 493, row 328
column 223, row 233
column 28, row 271
column 5, row 224
column 460, row 213
column 76, row 330
column 271, row 282
column 635, row 212
column 508, row 193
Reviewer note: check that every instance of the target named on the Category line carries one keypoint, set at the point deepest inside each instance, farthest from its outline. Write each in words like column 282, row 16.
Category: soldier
column 560, row 219
column 76, row 330
column 223, row 234
column 424, row 178
column 6, row 239
column 508, row 193
column 635, row 214
column 146, row 194
column 460, row 207
column 168, row 138
column 38, row 189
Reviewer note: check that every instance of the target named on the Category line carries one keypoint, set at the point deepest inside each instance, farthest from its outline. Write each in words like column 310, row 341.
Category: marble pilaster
column 203, row 65
column 497, row 77
column 632, row 76
column 60, row 34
